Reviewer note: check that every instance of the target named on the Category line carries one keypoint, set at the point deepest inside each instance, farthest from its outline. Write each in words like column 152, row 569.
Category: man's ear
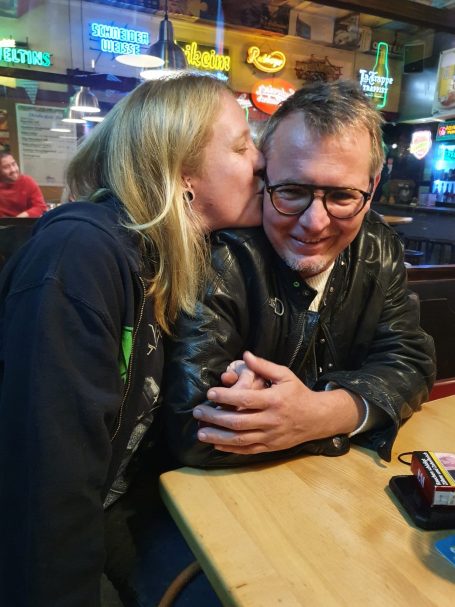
column 375, row 185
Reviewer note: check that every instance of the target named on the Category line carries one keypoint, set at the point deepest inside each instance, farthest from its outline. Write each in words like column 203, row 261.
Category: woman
column 83, row 307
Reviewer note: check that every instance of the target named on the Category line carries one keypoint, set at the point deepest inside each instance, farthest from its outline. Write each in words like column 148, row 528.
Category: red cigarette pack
column 435, row 473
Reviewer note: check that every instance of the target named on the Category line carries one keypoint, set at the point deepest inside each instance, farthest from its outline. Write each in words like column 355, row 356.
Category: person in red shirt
column 20, row 195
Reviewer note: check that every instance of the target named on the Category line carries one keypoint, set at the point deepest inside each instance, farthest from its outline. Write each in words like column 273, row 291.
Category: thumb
column 265, row 368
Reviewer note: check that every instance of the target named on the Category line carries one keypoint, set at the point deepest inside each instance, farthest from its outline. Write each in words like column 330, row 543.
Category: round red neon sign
column 268, row 94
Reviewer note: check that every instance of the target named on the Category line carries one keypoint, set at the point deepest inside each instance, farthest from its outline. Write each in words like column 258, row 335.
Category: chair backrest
column 435, row 286
column 13, row 234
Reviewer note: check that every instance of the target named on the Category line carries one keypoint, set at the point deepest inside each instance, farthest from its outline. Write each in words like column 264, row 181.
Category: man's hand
column 279, row 417
column 239, row 374
column 23, row 214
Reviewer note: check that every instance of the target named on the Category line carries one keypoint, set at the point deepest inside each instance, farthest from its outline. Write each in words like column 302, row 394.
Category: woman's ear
column 188, row 188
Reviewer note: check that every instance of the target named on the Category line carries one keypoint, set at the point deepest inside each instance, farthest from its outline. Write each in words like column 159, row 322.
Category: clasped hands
column 264, row 407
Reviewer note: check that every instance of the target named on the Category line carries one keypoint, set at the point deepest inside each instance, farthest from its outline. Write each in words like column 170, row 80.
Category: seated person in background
column 320, row 291
column 20, row 195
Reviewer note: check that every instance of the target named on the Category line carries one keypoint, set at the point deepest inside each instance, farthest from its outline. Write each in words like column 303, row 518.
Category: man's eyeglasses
column 296, row 198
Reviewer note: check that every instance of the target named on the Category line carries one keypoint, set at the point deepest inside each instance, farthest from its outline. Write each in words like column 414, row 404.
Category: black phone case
column 407, row 490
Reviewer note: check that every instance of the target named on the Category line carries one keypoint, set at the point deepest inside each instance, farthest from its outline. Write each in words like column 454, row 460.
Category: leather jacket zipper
column 130, row 366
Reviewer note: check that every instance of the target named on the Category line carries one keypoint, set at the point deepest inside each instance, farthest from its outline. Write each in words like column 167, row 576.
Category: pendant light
column 85, row 101
column 71, row 116
column 167, row 50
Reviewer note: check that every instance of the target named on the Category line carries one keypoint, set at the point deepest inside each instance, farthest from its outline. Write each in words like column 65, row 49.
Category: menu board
column 44, row 154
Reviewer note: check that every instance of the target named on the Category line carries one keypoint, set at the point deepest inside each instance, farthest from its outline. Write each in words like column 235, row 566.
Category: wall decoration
column 4, row 130
column 317, row 69
column 346, row 32
column 444, row 97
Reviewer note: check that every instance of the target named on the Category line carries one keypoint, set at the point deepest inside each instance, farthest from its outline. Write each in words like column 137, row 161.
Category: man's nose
column 315, row 217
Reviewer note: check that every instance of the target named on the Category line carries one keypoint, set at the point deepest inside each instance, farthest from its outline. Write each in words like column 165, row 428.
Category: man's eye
column 291, row 193
column 342, row 196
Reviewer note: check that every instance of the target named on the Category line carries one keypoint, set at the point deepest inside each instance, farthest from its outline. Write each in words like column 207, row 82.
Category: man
column 20, row 195
column 322, row 293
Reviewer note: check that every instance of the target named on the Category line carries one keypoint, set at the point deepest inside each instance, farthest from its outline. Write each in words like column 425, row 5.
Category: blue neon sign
column 118, row 40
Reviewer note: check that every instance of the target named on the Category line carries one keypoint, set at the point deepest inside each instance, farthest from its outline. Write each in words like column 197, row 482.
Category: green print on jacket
column 125, row 352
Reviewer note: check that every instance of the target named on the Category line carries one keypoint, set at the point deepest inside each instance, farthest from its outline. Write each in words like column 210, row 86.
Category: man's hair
column 139, row 153
column 332, row 108
column 4, row 154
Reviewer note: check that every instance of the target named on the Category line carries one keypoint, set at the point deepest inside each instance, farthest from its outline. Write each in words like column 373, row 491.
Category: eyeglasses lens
column 296, row 199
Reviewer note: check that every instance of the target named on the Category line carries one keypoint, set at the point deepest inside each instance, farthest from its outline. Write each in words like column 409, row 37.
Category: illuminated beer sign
column 376, row 82
column 268, row 94
column 446, row 131
column 266, row 62
column 206, row 58
column 420, row 144
column 24, row 56
column 118, row 40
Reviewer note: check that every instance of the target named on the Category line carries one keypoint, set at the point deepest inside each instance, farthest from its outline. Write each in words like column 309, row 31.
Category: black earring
column 189, row 196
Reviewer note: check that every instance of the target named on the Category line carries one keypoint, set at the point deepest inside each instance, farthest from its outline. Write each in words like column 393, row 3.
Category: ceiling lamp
column 84, row 101
column 95, row 118
column 167, row 50
column 58, row 127
column 72, row 117
column 144, row 61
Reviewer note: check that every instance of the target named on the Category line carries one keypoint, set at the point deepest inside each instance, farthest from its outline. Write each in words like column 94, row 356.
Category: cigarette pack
column 435, row 473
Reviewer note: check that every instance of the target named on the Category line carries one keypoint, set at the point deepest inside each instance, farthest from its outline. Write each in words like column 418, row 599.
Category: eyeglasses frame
column 270, row 189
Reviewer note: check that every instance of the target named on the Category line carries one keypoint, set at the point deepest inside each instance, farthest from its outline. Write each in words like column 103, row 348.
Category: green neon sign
column 376, row 82
column 11, row 54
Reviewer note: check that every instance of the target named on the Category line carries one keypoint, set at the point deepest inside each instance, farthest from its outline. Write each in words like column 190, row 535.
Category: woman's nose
column 258, row 161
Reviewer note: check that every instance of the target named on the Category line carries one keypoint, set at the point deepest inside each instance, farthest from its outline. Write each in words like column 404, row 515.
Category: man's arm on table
column 393, row 381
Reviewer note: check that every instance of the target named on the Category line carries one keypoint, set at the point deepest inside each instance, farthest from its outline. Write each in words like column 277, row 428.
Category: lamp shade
column 166, row 49
column 144, row 61
column 85, row 101
column 72, row 117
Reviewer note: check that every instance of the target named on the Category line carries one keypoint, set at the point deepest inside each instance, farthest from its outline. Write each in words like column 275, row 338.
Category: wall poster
column 444, row 95
column 44, row 154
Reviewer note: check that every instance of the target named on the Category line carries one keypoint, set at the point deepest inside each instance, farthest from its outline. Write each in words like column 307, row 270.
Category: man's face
column 9, row 171
column 310, row 242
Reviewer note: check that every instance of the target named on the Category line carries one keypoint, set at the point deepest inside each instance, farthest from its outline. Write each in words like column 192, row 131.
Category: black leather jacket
column 366, row 337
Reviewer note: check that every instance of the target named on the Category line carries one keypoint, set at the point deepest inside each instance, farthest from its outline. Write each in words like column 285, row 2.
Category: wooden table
column 317, row 531
column 396, row 219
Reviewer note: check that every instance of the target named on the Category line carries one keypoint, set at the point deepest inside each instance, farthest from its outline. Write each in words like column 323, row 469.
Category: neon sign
column 206, row 59
column 268, row 94
column 10, row 54
column 420, row 144
column 119, row 40
column 266, row 62
column 376, row 82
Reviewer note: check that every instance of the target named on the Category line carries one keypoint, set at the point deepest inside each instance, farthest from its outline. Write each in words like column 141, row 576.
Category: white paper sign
column 44, row 154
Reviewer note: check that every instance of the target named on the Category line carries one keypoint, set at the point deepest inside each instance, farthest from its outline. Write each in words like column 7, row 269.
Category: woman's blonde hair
column 139, row 153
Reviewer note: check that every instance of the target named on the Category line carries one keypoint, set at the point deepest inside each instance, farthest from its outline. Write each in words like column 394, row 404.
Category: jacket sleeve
column 198, row 353
column 36, row 205
column 61, row 392
column 399, row 369
column 200, row 349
